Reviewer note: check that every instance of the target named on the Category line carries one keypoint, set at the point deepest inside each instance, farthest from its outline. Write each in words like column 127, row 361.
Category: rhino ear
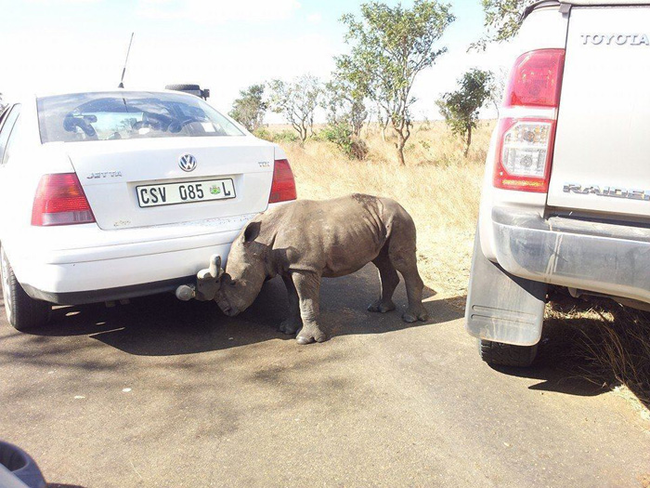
column 252, row 231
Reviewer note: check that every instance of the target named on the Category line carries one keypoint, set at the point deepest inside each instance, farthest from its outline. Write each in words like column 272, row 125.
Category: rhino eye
column 233, row 283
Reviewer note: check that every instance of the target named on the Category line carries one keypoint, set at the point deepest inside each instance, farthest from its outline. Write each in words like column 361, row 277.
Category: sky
column 61, row 45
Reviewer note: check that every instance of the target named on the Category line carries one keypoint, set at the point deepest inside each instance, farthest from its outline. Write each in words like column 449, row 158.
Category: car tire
column 23, row 312
column 21, row 469
column 498, row 353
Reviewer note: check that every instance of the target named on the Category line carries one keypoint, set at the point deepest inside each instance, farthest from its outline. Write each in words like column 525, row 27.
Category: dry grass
column 438, row 187
column 608, row 344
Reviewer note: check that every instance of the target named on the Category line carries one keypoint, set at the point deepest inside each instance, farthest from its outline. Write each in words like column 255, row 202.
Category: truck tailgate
column 602, row 146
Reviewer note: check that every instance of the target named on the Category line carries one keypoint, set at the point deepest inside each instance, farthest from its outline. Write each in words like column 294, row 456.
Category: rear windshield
column 128, row 115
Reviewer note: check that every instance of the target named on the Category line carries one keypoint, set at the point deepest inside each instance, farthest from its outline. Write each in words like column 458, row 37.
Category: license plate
column 186, row 192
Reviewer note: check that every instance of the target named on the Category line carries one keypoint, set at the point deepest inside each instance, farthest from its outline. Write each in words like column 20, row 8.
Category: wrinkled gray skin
column 305, row 240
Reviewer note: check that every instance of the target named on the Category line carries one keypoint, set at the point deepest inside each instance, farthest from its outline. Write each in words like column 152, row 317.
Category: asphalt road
column 164, row 393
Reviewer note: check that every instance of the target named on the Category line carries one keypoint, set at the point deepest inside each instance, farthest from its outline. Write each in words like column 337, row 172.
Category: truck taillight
column 525, row 144
column 283, row 187
column 536, row 79
column 524, row 154
column 60, row 200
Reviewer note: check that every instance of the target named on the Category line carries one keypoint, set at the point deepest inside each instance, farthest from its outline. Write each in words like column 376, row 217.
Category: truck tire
column 23, row 312
column 501, row 354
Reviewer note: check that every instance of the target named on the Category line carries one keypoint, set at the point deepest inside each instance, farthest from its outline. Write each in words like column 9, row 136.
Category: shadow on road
column 556, row 366
column 574, row 357
column 560, row 380
column 163, row 326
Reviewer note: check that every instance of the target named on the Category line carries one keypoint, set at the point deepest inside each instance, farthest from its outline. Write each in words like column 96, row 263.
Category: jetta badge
column 187, row 162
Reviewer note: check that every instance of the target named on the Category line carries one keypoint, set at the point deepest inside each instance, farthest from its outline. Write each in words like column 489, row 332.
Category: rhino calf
column 305, row 240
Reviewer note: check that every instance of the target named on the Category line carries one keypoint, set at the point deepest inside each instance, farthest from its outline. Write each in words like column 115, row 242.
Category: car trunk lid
column 235, row 171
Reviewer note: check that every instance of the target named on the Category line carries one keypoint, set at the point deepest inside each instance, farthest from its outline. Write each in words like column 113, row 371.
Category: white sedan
column 117, row 194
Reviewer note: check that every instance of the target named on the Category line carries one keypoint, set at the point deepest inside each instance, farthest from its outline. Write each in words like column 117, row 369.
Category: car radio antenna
column 121, row 85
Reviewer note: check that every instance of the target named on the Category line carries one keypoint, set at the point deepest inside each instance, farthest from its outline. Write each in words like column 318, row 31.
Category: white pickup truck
column 566, row 196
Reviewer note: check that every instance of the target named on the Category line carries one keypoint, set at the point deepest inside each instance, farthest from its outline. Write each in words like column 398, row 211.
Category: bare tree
column 297, row 102
column 497, row 88
column 383, row 119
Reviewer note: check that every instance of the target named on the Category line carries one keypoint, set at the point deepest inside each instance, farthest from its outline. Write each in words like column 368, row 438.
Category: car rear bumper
column 75, row 282
column 603, row 258
column 105, row 266
column 107, row 294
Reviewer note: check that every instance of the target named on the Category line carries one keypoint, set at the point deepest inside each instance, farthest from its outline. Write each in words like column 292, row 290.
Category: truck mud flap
column 502, row 307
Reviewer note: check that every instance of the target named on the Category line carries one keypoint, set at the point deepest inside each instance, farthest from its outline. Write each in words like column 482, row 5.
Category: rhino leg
column 403, row 256
column 389, row 281
column 293, row 323
column 308, row 288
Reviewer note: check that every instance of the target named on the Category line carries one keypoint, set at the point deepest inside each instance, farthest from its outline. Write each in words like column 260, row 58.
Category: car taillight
column 283, row 187
column 60, row 200
column 525, row 144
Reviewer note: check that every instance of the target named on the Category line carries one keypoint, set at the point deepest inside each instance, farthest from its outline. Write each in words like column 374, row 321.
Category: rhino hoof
column 309, row 337
column 410, row 317
column 290, row 326
column 381, row 307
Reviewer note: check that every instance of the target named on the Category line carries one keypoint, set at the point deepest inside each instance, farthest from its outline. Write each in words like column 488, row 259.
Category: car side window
column 6, row 130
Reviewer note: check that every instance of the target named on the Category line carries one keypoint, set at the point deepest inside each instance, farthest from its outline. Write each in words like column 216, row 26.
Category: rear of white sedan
column 113, row 195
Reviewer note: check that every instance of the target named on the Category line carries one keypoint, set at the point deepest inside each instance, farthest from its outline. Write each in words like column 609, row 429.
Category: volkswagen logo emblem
column 187, row 162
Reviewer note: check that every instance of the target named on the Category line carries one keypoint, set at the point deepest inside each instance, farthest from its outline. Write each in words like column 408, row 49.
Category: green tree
column 502, row 19
column 461, row 107
column 343, row 108
column 390, row 47
column 346, row 114
column 347, row 94
column 297, row 102
column 341, row 135
column 249, row 109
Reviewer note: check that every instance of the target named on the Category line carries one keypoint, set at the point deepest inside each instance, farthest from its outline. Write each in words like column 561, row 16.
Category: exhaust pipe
column 186, row 292
column 208, row 281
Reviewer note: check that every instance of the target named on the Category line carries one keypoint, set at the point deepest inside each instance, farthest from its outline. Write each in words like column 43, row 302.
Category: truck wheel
column 23, row 312
column 502, row 354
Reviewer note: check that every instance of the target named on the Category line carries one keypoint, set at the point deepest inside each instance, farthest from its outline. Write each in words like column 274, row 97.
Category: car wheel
column 498, row 353
column 23, row 312
column 21, row 469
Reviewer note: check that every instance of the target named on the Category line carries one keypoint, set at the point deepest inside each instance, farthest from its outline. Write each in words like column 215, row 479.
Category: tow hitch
column 207, row 284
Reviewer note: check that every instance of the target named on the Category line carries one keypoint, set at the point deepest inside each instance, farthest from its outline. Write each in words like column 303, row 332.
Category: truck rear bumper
column 603, row 258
